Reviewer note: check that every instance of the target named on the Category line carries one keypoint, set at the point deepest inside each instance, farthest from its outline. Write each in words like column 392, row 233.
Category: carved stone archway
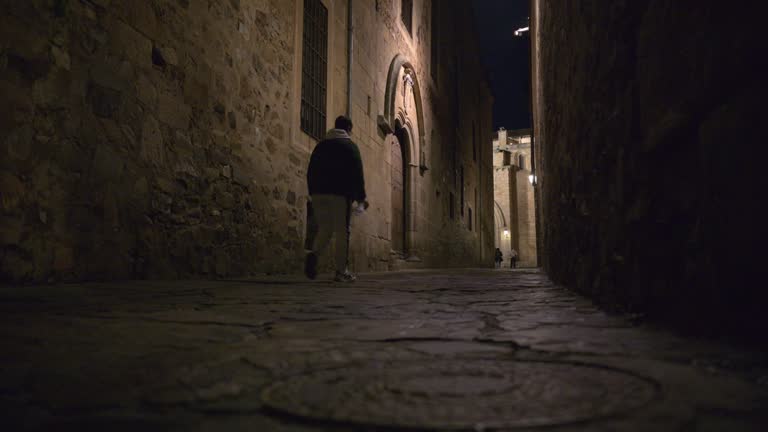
column 387, row 121
column 409, row 131
column 499, row 224
column 404, row 134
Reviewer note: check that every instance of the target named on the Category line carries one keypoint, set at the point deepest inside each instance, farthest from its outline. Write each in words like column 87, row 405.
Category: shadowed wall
column 648, row 118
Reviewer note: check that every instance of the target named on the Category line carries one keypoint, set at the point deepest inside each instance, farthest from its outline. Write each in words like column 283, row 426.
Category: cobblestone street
column 425, row 350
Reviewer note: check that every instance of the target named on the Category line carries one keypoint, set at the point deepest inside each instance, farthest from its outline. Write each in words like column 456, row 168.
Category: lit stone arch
column 387, row 121
column 403, row 121
column 500, row 223
column 409, row 129
column 404, row 134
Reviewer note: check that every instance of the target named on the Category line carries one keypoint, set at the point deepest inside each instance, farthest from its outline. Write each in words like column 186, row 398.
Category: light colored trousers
column 332, row 213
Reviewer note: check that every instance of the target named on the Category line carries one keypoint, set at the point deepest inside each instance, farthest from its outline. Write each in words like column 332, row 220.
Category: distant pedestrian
column 335, row 179
column 499, row 258
column 513, row 258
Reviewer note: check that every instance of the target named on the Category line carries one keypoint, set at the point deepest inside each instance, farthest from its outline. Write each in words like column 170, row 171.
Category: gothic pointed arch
column 501, row 220
column 407, row 126
column 390, row 113
column 500, row 225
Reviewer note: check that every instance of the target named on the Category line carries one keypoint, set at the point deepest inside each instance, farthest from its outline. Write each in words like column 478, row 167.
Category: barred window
column 461, row 191
column 314, row 68
column 406, row 13
column 470, row 219
column 477, row 209
column 434, row 45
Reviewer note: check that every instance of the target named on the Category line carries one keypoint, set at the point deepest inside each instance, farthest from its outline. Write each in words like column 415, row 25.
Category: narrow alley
column 425, row 350
column 382, row 215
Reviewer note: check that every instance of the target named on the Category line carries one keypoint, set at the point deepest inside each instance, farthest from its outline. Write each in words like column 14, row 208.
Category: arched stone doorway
column 502, row 233
column 403, row 123
column 500, row 226
column 399, row 201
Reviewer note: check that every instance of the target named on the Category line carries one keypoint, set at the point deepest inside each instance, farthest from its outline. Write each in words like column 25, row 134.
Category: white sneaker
column 344, row 277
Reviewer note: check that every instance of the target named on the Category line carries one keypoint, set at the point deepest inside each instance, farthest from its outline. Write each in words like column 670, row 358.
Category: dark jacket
column 336, row 168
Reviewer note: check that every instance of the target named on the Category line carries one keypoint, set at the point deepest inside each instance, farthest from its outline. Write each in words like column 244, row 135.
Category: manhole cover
column 472, row 394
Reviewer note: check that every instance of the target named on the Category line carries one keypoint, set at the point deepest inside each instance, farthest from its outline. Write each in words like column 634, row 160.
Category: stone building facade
column 514, row 206
column 170, row 138
column 648, row 142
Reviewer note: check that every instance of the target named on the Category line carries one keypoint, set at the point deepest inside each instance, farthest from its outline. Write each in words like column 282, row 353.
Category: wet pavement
column 424, row 350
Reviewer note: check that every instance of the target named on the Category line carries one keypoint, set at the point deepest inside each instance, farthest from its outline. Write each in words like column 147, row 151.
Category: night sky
column 506, row 58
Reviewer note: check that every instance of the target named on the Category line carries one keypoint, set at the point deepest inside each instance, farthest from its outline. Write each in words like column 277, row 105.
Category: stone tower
column 514, row 211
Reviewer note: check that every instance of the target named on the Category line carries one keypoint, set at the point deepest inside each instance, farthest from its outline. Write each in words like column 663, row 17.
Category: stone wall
column 441, row 138
column 161, row 138
column 526, row 222
column 505, row 210
column 647, row 118
column 514, row 197
column 516, row 212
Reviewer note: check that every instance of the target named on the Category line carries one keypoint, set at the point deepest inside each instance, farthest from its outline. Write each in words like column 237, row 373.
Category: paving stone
column 465, row 395
column 432, row 350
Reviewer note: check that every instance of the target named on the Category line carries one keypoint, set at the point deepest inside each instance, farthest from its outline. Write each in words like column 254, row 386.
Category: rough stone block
column 142, row 17
column 15, row 265
column 105, row 102
column 152, row 146
column 53, row 91
column 12, row 191
column 31, row 68
column 11, row 230
column 146, row 92
column 131, row 44
column 113, row 73
column 63, row 258
column 19, row 144
column 173, row 111
column 17, row 106
column 107, row 163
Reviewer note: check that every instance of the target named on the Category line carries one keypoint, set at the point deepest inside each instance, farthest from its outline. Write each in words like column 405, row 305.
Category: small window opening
column 461, row 190
column 470, row 218
column 313, row 69
column 406, row 13
column 434, row 45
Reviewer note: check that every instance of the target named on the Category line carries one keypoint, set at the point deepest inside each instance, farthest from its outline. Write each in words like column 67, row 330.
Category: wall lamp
column 520, row 31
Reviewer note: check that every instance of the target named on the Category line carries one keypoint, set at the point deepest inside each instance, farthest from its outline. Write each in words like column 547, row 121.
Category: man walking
column 335, row 180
